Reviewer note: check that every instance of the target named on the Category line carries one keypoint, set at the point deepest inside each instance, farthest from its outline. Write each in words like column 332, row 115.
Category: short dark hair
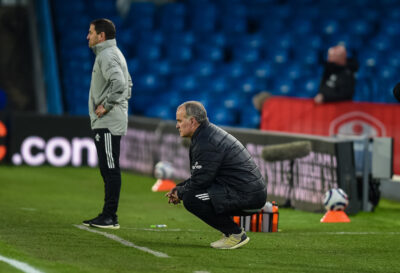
column 195, row 109
column 106, row 26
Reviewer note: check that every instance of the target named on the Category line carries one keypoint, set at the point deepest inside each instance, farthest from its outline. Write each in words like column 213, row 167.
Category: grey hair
column 195, row 109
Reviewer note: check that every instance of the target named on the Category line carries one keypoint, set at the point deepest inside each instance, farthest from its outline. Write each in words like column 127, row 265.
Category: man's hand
column 173, row 197
column 319, row 98
column 100, row 111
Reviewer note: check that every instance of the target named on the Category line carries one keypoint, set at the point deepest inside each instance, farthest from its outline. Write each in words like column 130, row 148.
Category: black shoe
column 87, row 222
column 105, row 222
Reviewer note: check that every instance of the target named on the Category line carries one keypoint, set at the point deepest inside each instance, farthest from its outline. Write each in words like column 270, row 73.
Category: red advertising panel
column 342, row 118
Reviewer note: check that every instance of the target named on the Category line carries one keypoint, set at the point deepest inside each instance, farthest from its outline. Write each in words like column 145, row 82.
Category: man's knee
column 195, row 201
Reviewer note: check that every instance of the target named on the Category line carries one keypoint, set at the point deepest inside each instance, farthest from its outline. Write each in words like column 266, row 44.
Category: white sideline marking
column 165, row 229
column 20, row 265
column 124, row 242
column 345, row 233
column 29, row 209
column 154, row 229
column 360, row 233
column 201, row 272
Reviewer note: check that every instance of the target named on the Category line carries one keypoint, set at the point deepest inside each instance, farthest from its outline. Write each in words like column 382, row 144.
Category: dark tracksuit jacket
column 338, row 82
column 223, row 167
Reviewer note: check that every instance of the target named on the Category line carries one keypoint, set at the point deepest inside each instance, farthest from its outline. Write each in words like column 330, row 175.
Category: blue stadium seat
column 161, row 111
column 184, row 82
column 246, row 54
column 360, row 27
column 392, row 59
column 271, row 27
column 307, row 87
column 201, row 68
column 302, row 26
column 388, row 73
column 172, row 97
column 278, row 56
column 330, row 27
column 148, row 81
column 308, row 57
column 230, row 24
column 381, row 43
column 140, row 9
column 133, row 66
column 283, row 86
column 151, row 37
column 262, row 69
column 141, row 16
column 253, row 40
column 171, row 17
column 390, row 27
column 247, row 85
column 105, row 8
column 232, row 100
column 182, row 37
column 232, row 69
column 202, row 16
column 222, row 116
column 217, row 84
column 161, row 67
column 178, row 53
column 250, row 118
column 210, row 52
column 232, row 46
column 214, row 38
column 148, row 52
column 370, row 58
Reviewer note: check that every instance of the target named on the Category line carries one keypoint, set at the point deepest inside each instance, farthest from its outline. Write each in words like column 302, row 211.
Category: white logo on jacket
column 197, row 166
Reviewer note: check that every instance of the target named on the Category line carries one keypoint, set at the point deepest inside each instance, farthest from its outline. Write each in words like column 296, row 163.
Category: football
column 163, row 170
column 335, row 199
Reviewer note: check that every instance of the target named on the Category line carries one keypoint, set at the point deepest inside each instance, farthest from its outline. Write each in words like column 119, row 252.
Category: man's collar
column 103, row 45
column 201, row 126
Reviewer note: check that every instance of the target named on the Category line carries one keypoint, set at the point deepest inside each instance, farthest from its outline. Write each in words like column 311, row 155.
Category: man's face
column 93, row 37
column 184, row 124
column 337, row 55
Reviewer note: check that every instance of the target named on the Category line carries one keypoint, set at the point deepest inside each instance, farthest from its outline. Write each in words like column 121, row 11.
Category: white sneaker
column 232, row 241
column 219, row 242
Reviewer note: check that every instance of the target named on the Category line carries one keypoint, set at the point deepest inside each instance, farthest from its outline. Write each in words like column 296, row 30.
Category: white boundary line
column 124, row 242
column 19, row 265
column 343, row 233
column 167, row 229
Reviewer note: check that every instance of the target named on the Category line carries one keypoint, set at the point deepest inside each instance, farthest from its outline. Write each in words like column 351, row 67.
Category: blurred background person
column 338, row 80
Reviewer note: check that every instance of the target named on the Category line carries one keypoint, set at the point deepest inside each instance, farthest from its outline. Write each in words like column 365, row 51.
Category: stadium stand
column 222, row 52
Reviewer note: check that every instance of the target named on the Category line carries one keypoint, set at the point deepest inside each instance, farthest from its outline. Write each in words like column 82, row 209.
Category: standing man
column 338, row 81
column 224, row 179
column 110, row 90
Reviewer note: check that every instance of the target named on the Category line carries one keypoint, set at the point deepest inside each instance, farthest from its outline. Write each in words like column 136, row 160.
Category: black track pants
column 108, row 148
column 198, row 203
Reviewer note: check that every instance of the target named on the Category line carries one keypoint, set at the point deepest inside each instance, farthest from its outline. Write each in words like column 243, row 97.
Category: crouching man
column 224, row 178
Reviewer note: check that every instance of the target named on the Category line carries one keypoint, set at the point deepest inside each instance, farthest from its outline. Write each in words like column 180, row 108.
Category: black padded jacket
column 338, row 83
column 223, row 167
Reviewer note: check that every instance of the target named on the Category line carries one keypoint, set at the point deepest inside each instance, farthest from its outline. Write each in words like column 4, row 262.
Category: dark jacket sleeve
column 206, row 162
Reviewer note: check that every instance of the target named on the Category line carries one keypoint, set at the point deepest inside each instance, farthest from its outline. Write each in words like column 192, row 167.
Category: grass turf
column 40, row 206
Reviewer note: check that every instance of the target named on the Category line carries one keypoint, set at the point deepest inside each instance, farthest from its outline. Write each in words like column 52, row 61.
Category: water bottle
column 158, row 226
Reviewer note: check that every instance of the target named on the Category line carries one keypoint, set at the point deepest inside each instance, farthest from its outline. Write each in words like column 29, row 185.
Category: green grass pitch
column 40, row 206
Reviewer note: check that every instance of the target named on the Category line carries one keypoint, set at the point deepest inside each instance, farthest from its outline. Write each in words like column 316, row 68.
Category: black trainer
column 105, row 222
column 87, row 222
